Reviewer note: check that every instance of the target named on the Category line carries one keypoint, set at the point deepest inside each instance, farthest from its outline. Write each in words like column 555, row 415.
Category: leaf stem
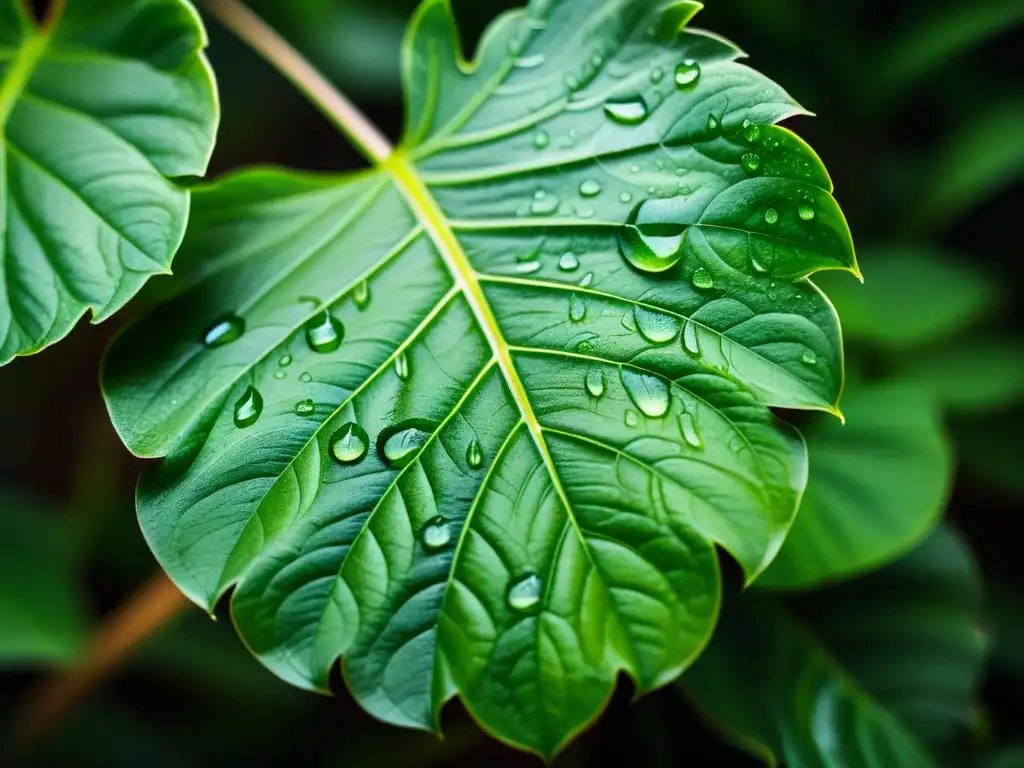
column 367, row 138
column 30, row 52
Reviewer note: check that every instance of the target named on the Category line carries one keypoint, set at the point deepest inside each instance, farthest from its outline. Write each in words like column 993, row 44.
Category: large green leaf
column 100, row 111
column 475, row 420
column 873, row 673
column 877, row 486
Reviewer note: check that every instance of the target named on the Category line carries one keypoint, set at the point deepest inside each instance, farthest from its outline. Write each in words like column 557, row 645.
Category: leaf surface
column 100, row 111
column 475, row 420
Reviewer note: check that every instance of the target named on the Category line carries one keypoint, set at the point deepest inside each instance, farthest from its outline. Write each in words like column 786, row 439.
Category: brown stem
column 147, row 611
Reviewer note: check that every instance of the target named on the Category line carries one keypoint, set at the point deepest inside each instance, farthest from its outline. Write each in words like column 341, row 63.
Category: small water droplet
column 474, row 454
column 248, row 408
column 690, row 341
column 515, row 45
column 541, row 139
column 400, row 444
column 771, row 216
column 713, row 125
column 544, row 203
column 689, row 429
column 279, row 374
column 436, row 533
column 284, row 361
column 527, row 267
column 224, row 330
column 625, row 197
column 657, row 75
column 751, row 131
column 751, row 161
column 587, row 280
column 687, row 75
column 806, row 211
column 632, row 418
column 305, row 407
column 590, row 188
column 649, row 393
column 349, row 444
column 757, row 265
column 572, row 82
column 529, row 62
column 324, row 333
column 361, row 294
column 656, row 327
column 810, row 358
column 627, row 110
column 702, row 279
column 597, row 60
column 594, row 381
column 568, row 262
column 577, row 308
column 651, row 241
column 306, row 378
column 524, row 595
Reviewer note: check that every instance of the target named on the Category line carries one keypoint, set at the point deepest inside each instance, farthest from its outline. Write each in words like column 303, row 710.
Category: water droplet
column 806, row 211
column 751, row 161
column 361, row 294
column 577, row 308
column 524, row 595
column 751, row 131
column 400, row 444
column 349, row 444
column 713, row 125
column 225, row 330
column 649, row 393
column 689, row 429
column 305, row 407
column 279, row 374
column 771, row 216
column 587, row 280
column 702, row 279
column 436, row 533
column 657, row 74
column 248, row 408
column 625, row 197
column 541, row 139
column 528, row 267
column 595, row 382
column 529, row 62
column 690, row 342
column 572, row 82
column 651, row 241
column 627, row 110
column 687, row 75
column 810, row 358
column 474, row 454
column 285, row 361
column 306, row 378
column 758, row 266
column 402, row 366
column 597, row 60
column 324, row 333
column 544, row 203
column 632, row 418
column 656, row 327
column 568, row 262
column 590, row 188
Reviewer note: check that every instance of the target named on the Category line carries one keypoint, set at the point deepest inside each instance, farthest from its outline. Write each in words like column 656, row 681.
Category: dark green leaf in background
column 99, row 113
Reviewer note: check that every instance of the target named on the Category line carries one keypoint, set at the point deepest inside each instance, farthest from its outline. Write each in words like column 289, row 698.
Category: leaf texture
column 474, row 421
column 100, row 111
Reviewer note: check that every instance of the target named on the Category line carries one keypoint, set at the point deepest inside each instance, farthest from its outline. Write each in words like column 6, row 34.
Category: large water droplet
column 305, row 407
column 651, row 241
column 690, row 341
column 751, row 131
column 474, row 454
column 400, row 444
column 689, row 429
column 595, row 382
column 649, row 393
column 224, row 330
column 590, row 188
column 524, row 595
column 687, row 75
column 324, row 333
column 248, row 408
column 751, row 161
column 632, row 418
column 577, row 308
column 541, row 139
column 771, row 216
column 349, row 444
column 702, row 279
column 436, row 533
column 544, row 203
column 568, row 262
column 402, row 366
column 656, row 327
column 361, row 294
column 806, row 211
column 627, row 110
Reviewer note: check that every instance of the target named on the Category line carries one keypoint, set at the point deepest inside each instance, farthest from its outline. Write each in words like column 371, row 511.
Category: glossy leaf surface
column 876, row 672
column 877, row 486
column 100, row 111
column 474, row 421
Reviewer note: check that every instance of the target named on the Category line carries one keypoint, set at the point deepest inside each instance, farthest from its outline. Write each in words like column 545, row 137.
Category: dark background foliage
column 922, row 128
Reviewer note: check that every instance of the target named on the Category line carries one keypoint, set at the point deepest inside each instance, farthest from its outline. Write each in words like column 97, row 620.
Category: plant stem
column 367, row 138
column 29, row 54
column 149, row 609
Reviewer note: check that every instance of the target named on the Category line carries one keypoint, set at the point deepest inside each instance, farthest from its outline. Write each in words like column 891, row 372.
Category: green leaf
column 872, row 673
column 100, row 110
column 971, row 375
column 877, row 486
column 912, row 297
column 431, row 419
column 42, row 618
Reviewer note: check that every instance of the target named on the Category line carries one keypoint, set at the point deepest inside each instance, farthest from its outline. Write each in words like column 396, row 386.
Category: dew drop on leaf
column 656, row 327
column 751, row 131
column 541, row 140
column 284, row 361
column 248, row 408
column 324, row 333
column 523, row 596
column 651, row 241
column 305, row 407
column 771, row 216
column 402, row 366
column 757, row 265
column 400, row 444
column 361, row 294
column 436, row 534
column 625, row 197
column 568, row 262
column 632, row 418
column 702, row 279
column 712, row 126
column 690, row 342
column 657, row 75
column 306, row 378
column 279, row 374
column 687, row 75
column 577, row 308
column 349, row 444
column 751, row 161
column 590, row 188
column 594, row 382
column 806, row 211
column 587, row 280
column 649, row 393
column 689, row 430
column 810, row 358
column 474, row 454
column 224, row 330
column 544, row 203
column 627, row 110
column 528, row 267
